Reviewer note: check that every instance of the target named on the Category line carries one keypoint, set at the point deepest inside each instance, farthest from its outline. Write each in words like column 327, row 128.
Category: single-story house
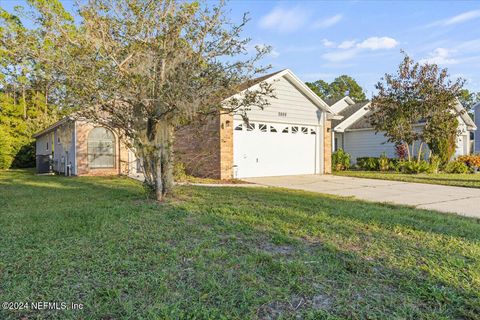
column 356, row 136
column 476, row 109
column 290, row 136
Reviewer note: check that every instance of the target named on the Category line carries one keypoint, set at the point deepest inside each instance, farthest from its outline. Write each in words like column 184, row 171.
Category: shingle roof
column 252, row 82
column 331, row 102
column 349, row 111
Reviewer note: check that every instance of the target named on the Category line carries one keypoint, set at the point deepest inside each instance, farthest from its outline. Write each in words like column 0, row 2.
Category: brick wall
column 121, row 154
column 327, row 147
column 206, row 147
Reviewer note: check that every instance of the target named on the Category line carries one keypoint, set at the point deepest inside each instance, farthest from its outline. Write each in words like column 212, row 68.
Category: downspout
column 74, row 169
column 322, row 143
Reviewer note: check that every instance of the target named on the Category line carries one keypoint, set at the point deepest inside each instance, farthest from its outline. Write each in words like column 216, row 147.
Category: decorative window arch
column 101, row 148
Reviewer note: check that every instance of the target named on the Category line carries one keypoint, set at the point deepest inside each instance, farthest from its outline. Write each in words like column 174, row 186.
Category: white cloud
column 328, row 22
column 461, row 18
column 274, row 53
column 375, row 43
column 284, row 20
column 351, row 48
column 347, row 44
column 440, row 56
column 329, row 44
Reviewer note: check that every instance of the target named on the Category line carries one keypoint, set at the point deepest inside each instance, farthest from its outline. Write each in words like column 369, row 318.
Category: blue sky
column 324, row 39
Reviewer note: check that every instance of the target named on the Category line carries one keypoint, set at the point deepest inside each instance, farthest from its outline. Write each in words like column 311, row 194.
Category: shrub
column 340, row 160
column 179, row 173
column 368, row 163
column 414, row 167
column 435, row 162
column 444, row 148
column 472, row 161
column 456, row 166
column 383, row 162
column 401, row 151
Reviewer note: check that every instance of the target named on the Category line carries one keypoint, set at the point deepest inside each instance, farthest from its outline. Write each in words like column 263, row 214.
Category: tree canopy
column 146, row 67
column 340, row 87
column 25, row 102
column 417, row 104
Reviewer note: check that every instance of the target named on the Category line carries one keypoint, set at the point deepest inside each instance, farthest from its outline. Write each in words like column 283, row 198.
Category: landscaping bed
column 236, row 253
column 449, row 179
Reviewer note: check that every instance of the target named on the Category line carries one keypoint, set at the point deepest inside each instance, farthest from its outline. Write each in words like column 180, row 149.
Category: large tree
column 417, row 105
column 340, row 87
column 469, row 99
column 145, row 67
column 24, row 103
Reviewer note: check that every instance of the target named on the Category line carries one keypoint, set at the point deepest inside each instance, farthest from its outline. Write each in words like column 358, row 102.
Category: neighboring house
column 476, row 109
column 290, row 136
column 356, row 136
column 79, row 147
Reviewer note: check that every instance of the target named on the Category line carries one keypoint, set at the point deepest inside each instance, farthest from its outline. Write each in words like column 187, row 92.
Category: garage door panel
column 268, row 149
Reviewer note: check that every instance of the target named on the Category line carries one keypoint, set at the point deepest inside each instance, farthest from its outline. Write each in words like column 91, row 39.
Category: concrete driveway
column 462, row 201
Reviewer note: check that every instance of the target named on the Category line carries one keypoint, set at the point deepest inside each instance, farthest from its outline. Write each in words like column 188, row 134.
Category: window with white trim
column 101, row 148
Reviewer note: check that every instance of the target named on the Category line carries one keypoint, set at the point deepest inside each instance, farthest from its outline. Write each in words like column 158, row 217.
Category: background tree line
column 27, row 102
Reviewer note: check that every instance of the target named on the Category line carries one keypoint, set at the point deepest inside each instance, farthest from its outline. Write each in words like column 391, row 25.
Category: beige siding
column 41, row 144
column 298, row 108
column 367, row 144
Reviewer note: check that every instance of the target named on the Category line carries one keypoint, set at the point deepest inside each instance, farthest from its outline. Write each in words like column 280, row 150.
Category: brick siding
column 327, row 147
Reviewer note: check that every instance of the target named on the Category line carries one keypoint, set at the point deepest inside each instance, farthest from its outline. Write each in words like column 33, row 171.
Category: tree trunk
column 408, row 152
column 159, row 186
column 24, row 103
column 157, row 157
column 419, row 152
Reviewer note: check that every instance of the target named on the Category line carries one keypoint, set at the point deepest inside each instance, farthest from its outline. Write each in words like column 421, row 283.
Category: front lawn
column 457, row 180
column 228, row 253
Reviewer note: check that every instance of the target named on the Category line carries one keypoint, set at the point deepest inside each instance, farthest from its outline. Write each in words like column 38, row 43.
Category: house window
column 312, row 131
column 250, row 126
column 47, row 146
column 285, row 130
column 305, row 130
column 239, row 127
column 262, row 127
column 272, row 129
column 101, row 148
column 294, row 129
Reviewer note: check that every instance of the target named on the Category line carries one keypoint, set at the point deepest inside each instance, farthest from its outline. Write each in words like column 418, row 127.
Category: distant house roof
column 349, row 111
column 331, row 102
column 361, row 119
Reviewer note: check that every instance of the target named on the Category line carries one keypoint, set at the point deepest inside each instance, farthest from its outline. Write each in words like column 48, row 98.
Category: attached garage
column 273, row 149
column 285, row 138
column 290, row 136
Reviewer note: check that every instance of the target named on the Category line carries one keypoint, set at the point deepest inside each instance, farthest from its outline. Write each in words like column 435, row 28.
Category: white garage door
column 262, row 149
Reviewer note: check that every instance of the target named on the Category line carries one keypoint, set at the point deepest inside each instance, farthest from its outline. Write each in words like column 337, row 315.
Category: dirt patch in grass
column 295, row 307
column 276, row 249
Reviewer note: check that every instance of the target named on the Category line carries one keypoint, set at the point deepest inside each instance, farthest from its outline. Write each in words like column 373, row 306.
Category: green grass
column 457, row 180
column 228, row 253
